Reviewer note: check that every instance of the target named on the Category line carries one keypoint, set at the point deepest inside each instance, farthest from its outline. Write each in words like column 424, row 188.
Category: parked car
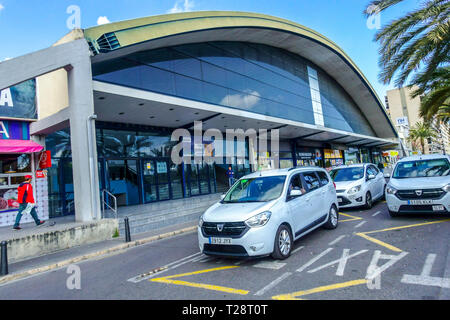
column 358, row 185
column 419, row 184
column 265, row 212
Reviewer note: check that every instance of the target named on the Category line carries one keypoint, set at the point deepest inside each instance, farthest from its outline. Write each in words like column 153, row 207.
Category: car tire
column 333, row 218
column 393, row 214
column 283, row 243
column 369, row 201
column 384, row 193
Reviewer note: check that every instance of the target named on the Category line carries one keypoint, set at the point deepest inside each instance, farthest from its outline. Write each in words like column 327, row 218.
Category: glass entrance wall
column 134, row 164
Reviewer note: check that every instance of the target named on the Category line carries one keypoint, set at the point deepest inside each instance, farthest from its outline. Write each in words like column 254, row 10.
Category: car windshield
column 347, row 174
column 422, row 168
column 259, row 189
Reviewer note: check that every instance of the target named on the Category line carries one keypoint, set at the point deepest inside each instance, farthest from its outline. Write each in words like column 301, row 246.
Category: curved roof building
column 214, row 48
column 117, row 92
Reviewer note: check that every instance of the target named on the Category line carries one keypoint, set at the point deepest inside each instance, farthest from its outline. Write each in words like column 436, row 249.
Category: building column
column 83, row 139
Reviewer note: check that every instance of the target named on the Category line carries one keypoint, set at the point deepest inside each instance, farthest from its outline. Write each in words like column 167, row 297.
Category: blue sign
column 19, row 101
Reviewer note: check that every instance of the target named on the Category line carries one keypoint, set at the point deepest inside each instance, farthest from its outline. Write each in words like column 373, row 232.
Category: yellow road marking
column 381, row 243
column 386, row 245
column 353, row 218
column 169, row 280
column 407, row 226
column 295, row 295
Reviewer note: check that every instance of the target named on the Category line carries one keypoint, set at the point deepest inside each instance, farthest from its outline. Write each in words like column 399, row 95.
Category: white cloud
column 6, row 59
column 1, row 7
column 242, row 100
column 182, row 6
column 102, row 20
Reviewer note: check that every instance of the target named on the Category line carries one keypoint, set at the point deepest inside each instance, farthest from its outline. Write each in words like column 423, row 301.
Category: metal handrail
column 104, row 191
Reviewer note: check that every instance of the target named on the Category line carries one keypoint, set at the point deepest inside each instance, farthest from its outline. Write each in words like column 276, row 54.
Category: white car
column 420, row 184
column 358, row 185
column 265, row 212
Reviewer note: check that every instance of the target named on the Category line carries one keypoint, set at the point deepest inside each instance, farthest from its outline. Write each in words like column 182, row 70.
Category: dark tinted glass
column 247, row 76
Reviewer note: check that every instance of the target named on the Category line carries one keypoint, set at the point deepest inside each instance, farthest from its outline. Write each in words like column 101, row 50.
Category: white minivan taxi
column 358, row 185
column 419, row 184
column 264, row 212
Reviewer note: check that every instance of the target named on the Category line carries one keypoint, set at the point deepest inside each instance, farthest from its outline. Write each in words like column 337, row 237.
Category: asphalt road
column 370, row 256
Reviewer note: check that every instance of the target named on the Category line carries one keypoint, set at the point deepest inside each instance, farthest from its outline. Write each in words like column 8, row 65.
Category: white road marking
column 310, row 262
column 273, row 284
column 240, row 262
column 425, row 279
column 376, row 213
column 297, row 250
column 167, row 267
column 273, row 265
column 342, row 262
column 337, row 240
column 374, row 271
column 360, row 224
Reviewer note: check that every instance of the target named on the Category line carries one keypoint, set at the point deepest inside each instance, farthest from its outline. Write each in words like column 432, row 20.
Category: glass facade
column 135, row 166
column 246, row 76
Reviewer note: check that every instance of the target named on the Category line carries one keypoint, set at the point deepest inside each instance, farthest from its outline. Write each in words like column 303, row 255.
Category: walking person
column 26, row 201
column 230, row 175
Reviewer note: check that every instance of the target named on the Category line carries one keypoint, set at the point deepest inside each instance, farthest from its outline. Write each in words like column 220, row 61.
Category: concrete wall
column 52, row 93
column 48, row 242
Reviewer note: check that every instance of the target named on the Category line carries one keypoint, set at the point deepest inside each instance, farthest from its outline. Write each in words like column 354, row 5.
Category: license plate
column 420, row 201
column 438, row 208
column 220, row 240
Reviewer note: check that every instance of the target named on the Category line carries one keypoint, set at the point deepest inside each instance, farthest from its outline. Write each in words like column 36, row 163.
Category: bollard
column 4, row 262
column 127, row 230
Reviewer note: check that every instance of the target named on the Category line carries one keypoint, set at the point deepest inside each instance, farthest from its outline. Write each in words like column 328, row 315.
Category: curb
column 135, row 243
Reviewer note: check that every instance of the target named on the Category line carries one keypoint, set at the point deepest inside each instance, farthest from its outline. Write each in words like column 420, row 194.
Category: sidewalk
column 73, row 255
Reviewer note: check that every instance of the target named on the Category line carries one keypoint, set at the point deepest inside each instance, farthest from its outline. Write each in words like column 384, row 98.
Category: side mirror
column 387, row 175
column 371, row 176
column 295, row 193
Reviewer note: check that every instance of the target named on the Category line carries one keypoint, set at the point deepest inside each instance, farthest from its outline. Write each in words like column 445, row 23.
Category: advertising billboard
column 19, row 101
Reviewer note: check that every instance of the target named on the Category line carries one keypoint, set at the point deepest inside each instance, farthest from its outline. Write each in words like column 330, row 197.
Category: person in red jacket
column 25, row 197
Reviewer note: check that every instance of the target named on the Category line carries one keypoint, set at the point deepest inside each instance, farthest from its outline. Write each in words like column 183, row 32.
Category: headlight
column 354, row 190
column 200, row 221
column 259, row 220
column 390, row 190
column 447, row 188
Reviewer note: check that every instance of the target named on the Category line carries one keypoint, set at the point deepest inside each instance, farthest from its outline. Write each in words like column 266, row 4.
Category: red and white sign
column 40, row 174
column 45, row 159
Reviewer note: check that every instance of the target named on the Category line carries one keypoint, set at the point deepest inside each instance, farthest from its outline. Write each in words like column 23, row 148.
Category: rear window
column 323, row 177
column 312, row 182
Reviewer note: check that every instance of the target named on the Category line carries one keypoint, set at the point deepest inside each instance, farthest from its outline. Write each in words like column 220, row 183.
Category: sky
column 29, row 25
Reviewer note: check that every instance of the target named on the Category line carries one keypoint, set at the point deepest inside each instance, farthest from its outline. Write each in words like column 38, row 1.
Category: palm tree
column 420, row 40
column 420, row 132
column 436, row 101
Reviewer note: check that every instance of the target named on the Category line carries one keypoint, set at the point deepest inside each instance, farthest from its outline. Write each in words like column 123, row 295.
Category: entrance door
column 157, row 180
column 162, row 175
column 122, row 176
column 194, row 186
column 203, row 177
column 149, row 179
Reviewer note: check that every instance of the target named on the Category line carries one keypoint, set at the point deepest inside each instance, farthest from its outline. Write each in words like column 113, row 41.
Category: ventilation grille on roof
column 108, row 42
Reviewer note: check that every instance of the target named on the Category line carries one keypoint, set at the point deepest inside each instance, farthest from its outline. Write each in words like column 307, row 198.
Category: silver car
column 358, row 185
column 264, row 212
column 420, row 184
